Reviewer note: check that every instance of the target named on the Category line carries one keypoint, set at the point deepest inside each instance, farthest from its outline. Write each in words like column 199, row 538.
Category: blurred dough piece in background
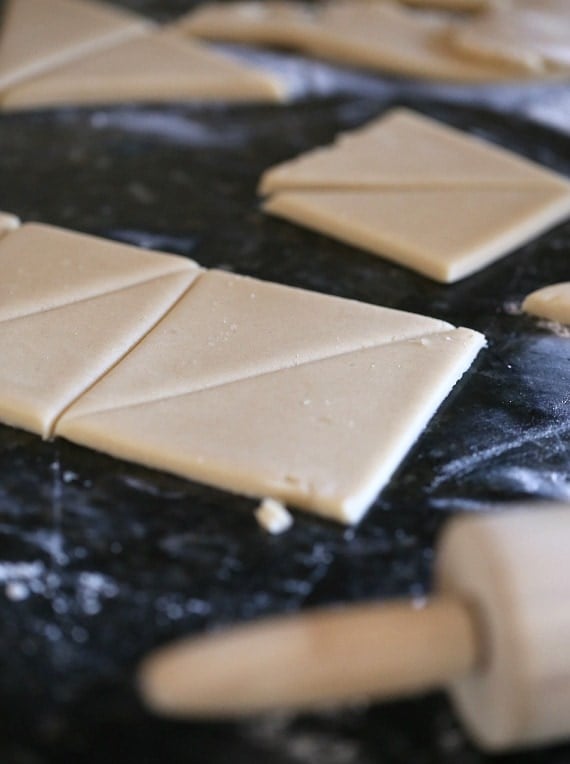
column 551, row 302
column 534, row 34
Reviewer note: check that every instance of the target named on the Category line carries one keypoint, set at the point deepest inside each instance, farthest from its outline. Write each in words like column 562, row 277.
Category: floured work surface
column 419, row 193
column 103, row 559
column 237, row 383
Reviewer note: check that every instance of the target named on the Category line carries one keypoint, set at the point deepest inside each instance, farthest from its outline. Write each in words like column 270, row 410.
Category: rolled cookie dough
column 264, row 22
column 404, row 149
column 71, row 306
column 419, row 193
column 241, row 384
column 37, row 35
column 379, row 35
column 156, row 67
column 531, row 34
column 446, row 235
column 551, row 302
column 324, row 435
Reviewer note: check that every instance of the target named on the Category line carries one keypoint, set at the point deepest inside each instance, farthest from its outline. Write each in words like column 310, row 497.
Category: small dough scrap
column 49, row 358
column 551, row 302
column 273, row 516
column 37, row 35
column 160, row 66
column 229, row 327
column 46, row 267
column 532, row 34
column 445, row 235
column 8, row 222
column 324, row 435
column 404, row 149
column 259, row 22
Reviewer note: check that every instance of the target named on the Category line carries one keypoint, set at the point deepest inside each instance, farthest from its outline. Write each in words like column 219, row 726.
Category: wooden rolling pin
column 496, row 633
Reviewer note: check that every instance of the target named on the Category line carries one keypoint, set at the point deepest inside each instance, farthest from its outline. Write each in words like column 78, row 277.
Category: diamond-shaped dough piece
column 445, row 235
column 325, row 436
column 45, row 267
column 50, row 358
column 153, row 67
column 264, row 22
column 385, row 36
column 8, row 223
column 551, row 302
column 404, row 149
column 229, row 327
column 534, row 35
column 37, row 35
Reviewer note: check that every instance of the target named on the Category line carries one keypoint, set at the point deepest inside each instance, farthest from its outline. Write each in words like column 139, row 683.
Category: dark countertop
column 100, row 560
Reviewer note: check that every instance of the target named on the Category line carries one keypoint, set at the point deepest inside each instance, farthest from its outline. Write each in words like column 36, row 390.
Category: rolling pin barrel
column 513, row 570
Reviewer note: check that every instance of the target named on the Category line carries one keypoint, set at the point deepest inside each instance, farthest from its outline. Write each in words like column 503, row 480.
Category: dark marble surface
column 101, row 560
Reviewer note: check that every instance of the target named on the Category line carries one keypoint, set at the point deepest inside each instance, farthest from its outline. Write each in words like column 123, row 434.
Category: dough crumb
column 273, row 516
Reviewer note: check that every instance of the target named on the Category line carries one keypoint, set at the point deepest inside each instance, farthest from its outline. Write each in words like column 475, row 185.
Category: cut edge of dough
column 290, row 205
column 349, row 510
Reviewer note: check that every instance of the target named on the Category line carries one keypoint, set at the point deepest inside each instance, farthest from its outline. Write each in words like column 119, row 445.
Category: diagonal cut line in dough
column 406, row 150
column 39, row 35
column 443, row 234
column 173, row 67
column 230, row 327
column 84, row 339
column 325, row 435
column 45, row 267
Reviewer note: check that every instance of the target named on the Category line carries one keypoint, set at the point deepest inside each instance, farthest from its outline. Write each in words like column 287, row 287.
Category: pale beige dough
column 379, row 35
column 445, row 235
column 46, row 267
column 265, row 22
column 229, row 327
column 8, row 223
column 241, row 384
column 390, row 38
column 532, row 34
column 551, row 302
column 404, row 149
column 37, row 35
column 154, row 67
column 51, row 357
column 323, row 435
column 420, row 193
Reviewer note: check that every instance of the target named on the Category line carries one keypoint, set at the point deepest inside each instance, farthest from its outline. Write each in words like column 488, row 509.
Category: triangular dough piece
column 154, row 67
column 8, row 222
column 404, row 149
column 551, row 302
column 445, row 235
column 45, row 267
column 37, row 35
column 229, row 327
column 381, row 35
column 325, row 435
column 264, row 22
column 50, row 358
